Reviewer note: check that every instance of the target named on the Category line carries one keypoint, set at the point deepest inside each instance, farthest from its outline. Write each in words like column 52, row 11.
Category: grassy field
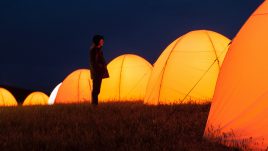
column 109, row 126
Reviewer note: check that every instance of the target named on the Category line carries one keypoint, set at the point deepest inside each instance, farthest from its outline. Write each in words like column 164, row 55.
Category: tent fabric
column 76, row 88
column 187, row 69
column 239, row 109
column 129, row 75
column 6, row 98
column 53, row 95
column 36, row 98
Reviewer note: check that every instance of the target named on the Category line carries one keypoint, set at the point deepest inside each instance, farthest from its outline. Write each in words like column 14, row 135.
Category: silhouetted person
column 98, row 67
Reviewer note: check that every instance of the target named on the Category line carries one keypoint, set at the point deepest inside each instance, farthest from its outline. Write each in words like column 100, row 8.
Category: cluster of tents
column 187, row 70
column 35, row 98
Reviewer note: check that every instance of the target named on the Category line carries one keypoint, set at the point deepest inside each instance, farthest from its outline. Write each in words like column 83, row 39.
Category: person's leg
column 96, row 90
column 94, row 94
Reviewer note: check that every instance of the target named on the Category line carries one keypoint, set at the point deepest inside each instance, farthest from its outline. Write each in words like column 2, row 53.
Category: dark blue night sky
column 41, row 42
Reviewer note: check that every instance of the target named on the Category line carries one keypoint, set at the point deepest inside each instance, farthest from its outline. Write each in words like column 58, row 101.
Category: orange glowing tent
column 76, row 88
column 6, row 98
column 36, row 98
column 129, row 75
column 238, row 114
column 187, row 69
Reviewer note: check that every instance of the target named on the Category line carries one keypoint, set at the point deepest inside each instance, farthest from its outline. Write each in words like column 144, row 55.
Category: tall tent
column 6, row 98
column 36, row 98
column 76, row 88
column 187, row 69
column 129, row 75
column 238, row 114
column 53, row 94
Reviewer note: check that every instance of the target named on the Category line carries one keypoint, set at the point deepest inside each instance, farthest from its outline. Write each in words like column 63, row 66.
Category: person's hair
column 96, row 39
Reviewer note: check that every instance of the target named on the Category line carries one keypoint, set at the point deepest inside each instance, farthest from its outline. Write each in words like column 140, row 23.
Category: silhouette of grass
column 109, row 126
column 231, row 139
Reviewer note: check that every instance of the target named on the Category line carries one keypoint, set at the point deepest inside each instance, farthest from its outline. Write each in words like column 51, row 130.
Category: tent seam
column 129, row 92
column 199, row 79
column 30, row 99
column 120, row 76
column 166, row 65
column 214, row 49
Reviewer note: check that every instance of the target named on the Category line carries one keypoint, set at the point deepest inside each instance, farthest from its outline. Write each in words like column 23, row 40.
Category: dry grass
column 109, row 126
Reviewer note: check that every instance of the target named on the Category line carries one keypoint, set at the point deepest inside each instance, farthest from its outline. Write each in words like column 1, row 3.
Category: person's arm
column 101, row 63
column 97, row 62
column 93, row 59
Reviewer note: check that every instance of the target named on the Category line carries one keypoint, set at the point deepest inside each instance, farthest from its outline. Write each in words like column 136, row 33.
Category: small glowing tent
column 187, row 69
column 239, row 110
column 76, row 88
column 6, row 98
column 129, row 75
column 36, row 98
column 53, row 95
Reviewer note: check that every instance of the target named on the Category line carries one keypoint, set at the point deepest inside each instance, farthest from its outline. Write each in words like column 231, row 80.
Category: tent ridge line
column 214, row 49
column 164, row 69
column 30, row 98
column 171, row 113
column 199, row 80
column 120, row 76
column 137, row 83
column 216, row 60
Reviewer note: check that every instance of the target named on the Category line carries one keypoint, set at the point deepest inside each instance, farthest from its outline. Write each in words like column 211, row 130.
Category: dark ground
column 109, row 126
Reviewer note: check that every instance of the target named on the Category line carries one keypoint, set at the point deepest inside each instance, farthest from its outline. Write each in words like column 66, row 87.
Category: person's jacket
column 98, row 67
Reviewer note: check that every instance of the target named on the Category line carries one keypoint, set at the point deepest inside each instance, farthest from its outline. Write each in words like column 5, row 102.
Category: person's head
column 98, row 40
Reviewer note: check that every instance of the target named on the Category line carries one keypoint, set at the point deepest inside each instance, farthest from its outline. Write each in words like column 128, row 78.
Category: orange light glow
column 36, row 98
column 76, row 88
column 240, row 103
column 6, row 98
column 187, row 69
column 129, row 75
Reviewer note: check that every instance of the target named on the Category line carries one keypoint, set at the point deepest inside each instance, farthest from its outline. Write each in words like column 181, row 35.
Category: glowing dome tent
column 239, row 109
column 36, row 98
column 76, row 88
column 187, row 69
column 129, row 75
column 53, row 94
column 6, row 98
